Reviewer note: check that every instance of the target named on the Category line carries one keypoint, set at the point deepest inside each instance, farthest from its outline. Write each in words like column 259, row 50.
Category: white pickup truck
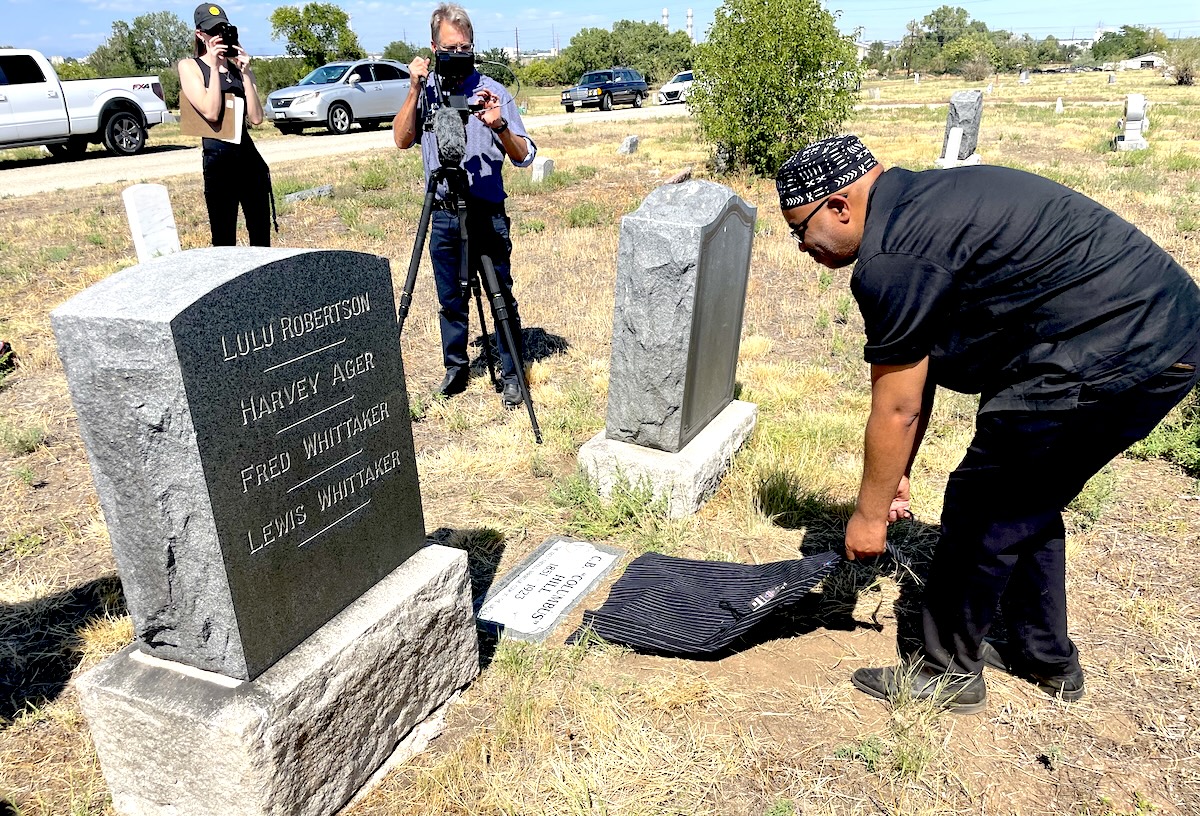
column 36, row 108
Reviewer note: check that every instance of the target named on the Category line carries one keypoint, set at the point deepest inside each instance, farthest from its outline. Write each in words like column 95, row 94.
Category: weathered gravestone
column 628, row 145
column 1133, row 124
column 247, row 425
column 148, row 208
column 966, row 113
column 1023, row 79
column 1112, row 79
column 1058, row 106
column 543, row 168
column 683, row 262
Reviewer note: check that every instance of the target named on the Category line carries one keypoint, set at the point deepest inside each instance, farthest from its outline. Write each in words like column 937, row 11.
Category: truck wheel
column 570, row 108
column 340, row 118
column 72, row 149
column 606, row 102
column 637, row 100
column 124, row 134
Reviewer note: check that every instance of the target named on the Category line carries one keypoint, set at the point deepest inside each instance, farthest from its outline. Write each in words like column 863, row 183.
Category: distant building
column 1154, row 61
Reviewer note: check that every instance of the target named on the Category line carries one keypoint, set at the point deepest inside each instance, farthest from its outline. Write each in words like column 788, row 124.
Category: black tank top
column 231, row 82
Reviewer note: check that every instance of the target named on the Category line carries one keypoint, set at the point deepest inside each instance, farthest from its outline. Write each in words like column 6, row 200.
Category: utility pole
column 517, row 43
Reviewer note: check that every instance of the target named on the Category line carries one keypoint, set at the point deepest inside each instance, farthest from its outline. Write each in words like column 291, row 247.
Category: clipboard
column 228, row 128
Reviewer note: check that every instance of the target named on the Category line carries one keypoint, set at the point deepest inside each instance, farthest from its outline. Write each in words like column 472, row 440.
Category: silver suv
column 339, row 94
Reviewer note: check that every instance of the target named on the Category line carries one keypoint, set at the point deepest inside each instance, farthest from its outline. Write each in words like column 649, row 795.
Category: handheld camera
column 229, row 36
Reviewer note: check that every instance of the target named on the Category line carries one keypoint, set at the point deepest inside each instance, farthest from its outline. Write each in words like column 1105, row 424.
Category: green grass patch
column 584, row 214
column 20, row 440
column 1094, row 500
column 1177, row 437
column 57, row 254
column 1182, row 162
column 631, row 512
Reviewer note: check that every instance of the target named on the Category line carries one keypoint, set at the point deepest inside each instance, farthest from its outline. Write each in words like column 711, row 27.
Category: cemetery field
column 770, row 728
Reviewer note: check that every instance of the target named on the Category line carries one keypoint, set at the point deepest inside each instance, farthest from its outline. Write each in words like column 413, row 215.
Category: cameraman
column 494, row 132
column 234, row 172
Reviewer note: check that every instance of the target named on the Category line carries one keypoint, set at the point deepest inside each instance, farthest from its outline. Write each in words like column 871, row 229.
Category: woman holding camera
column 234, row 172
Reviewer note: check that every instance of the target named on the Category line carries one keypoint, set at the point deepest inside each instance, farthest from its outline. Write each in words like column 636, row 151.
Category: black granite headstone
column 247, row 422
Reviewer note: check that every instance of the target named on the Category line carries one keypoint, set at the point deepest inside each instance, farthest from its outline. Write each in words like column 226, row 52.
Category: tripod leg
column 414, row 263
column 492, row 362
column 504, row 324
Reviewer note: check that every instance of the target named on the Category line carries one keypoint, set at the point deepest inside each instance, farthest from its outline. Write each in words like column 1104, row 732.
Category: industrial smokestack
column 665, row 19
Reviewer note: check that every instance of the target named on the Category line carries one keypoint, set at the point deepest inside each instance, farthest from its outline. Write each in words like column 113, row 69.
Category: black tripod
column 469, row 279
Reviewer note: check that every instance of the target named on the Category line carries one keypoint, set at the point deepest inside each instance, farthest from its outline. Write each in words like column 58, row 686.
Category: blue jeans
column 487, row 234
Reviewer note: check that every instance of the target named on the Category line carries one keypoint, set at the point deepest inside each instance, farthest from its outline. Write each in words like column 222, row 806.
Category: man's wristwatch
column 501, row 126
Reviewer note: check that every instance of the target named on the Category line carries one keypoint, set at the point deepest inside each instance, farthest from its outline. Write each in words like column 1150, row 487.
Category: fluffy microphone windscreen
column 451, row 136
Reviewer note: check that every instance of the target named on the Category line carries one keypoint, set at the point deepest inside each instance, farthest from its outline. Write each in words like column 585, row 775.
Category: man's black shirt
column 1017, row 288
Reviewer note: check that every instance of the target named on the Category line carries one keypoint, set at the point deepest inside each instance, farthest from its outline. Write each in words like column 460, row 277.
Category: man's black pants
column 1002, row 541
column 232, row 178
column 487, row 234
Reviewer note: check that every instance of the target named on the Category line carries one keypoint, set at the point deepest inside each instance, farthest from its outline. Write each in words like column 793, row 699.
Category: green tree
column 1183, row 57
column 945, row 24
column 280, row 72
column 405, row 52
column 773, row 76
column 546, row 73
column 495, row 63
column 588, row 50
column 159, row 40
column 316, row 32
column 650, row 49
column 74, row 69
column 973, row 55
column 1130, row 41
column 114, row 57
column 876, row 57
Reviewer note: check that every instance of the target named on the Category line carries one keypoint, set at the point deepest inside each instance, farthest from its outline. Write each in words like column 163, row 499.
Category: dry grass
column 771, row 728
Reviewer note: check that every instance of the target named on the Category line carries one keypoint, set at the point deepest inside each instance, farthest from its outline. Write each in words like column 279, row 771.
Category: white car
column 676, row 90
column 339, row 94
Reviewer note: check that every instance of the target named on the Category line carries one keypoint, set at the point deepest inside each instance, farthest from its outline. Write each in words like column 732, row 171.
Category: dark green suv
column 605, row 88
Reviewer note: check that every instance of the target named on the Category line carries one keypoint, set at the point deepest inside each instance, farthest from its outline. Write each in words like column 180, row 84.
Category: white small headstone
column 875, row 94
column 543, row 168
column 628, row 145
column 989, row 88
column 953, row 144
column 530, row 601
column 1024, row 79
column 1058, row 106
column 1112, row 79
column 148, row 207
column 916, row 78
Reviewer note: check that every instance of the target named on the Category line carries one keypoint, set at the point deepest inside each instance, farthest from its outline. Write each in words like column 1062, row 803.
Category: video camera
column 453, row 67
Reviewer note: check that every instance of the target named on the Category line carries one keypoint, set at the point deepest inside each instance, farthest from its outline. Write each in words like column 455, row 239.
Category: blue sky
column 75, row 27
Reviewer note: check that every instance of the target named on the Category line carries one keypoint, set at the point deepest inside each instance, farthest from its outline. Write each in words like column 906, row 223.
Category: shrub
column 773, row 76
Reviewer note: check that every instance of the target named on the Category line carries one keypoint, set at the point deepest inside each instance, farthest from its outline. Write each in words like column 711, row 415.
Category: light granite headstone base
column 686, row 478
column 304, row 736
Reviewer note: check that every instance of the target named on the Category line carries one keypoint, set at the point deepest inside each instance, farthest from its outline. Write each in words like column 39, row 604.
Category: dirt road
column 157, row 162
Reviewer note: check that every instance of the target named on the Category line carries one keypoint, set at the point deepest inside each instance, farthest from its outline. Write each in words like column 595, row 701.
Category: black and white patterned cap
column 822, row 169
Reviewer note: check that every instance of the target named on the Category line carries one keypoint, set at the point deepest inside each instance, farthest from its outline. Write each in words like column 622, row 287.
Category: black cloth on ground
column 684, row 606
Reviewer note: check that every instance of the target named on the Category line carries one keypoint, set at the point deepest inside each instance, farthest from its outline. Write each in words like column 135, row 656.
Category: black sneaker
column 511, row 395
column 455, row 382
column 958, row 693
column 1000, row 655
